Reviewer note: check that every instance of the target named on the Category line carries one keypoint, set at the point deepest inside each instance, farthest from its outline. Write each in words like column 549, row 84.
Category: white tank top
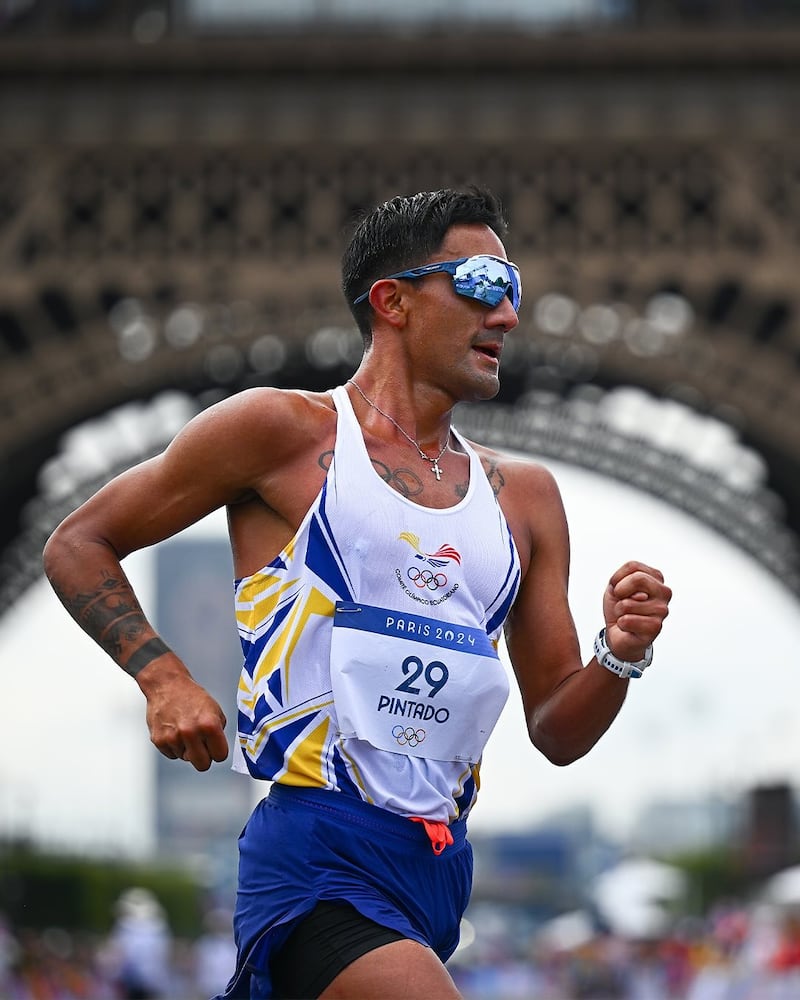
column 370, row 641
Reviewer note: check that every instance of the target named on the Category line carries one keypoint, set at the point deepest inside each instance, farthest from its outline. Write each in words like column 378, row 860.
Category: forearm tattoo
column 145, row 654
column 112, row 616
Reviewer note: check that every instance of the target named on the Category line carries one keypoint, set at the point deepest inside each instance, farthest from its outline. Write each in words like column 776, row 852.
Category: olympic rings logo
column 426, row 578
column 408, row 737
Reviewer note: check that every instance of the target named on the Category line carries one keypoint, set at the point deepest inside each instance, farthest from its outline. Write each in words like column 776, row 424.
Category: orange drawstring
column 438, row 833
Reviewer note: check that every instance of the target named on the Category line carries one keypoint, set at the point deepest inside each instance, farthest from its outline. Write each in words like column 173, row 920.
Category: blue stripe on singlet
column 404, row 625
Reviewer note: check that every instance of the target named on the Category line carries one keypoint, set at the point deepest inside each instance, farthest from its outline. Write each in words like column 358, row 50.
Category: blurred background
column 176, row 184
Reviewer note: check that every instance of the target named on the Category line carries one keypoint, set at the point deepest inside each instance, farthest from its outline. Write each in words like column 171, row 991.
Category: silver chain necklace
column 434, row 461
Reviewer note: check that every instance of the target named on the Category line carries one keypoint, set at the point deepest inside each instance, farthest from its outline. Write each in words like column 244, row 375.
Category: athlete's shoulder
column 530, row 499
column 514, row 472
column 257, row 427
column 266, row 409
column 265, row 397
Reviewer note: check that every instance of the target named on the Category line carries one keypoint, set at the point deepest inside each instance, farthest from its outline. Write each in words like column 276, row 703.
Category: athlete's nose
column 503, row 315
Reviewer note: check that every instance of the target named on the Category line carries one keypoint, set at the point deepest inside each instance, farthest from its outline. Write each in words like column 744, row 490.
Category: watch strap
column 622, row 668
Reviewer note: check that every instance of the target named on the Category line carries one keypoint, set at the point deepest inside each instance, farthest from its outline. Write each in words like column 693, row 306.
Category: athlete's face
column 455, row 339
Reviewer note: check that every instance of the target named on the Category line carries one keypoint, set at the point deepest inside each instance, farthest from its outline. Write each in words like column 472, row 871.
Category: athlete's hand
column 184, row 720
column 635, row 604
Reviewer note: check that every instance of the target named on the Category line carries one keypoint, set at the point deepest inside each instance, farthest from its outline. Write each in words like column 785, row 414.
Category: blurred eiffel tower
column 175, row 187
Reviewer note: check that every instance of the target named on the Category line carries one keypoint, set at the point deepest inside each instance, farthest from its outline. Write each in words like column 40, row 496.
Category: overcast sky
column 715, row 713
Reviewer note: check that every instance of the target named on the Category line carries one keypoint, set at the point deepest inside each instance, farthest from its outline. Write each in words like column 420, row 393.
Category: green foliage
column 714, row 876
column 46, row 890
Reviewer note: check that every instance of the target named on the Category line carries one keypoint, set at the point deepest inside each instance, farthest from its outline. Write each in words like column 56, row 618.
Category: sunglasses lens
column 488, row 280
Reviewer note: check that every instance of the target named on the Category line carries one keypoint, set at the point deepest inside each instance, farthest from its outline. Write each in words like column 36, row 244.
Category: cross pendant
column 435, row 468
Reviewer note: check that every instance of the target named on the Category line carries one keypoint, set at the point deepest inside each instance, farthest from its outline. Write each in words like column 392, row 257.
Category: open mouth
column 489, row 350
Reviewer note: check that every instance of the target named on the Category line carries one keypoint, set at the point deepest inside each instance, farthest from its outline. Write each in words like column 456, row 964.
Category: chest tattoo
column 406, row 482
column 409, row 484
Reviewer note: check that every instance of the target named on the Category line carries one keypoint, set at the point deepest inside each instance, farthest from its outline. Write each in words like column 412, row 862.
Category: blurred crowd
column 140, row 959
column 737, row 952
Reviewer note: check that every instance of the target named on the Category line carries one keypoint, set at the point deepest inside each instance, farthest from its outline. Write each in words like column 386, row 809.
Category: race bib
column 415, row 685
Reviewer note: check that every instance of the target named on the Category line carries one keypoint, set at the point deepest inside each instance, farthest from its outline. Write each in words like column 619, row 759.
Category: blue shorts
column 304, row 845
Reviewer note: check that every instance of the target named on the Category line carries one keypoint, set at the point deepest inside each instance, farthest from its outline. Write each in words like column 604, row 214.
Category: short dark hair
column 404, row 232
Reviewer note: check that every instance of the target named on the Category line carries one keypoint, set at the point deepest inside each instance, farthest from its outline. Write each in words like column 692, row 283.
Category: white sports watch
column 622, row 668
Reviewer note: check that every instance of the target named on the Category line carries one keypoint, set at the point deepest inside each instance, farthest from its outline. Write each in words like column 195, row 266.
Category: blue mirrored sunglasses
column 483, row 277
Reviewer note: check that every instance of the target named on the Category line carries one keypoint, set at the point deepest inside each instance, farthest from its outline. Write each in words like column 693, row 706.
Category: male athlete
column 378, row 558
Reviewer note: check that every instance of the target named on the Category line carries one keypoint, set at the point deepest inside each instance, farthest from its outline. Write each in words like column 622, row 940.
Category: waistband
column 364, row 814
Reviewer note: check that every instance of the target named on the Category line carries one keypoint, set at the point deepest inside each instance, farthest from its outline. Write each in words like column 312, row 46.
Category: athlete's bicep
column 540, row 631
column 210, row 463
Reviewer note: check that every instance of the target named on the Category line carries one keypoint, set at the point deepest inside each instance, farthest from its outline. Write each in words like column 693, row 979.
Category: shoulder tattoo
column 495, row 475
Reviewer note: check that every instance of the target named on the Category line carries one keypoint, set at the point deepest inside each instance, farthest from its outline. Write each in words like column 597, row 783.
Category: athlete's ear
column 389, row 300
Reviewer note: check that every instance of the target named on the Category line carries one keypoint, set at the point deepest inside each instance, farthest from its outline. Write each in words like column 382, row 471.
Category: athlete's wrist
column 161, row 669
column 144, row 655
column 622, row 668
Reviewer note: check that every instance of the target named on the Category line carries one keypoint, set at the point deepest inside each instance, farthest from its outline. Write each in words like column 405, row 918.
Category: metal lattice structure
column 171, row 217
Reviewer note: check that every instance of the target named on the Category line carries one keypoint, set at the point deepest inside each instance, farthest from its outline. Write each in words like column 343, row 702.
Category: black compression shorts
column 324, row 943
